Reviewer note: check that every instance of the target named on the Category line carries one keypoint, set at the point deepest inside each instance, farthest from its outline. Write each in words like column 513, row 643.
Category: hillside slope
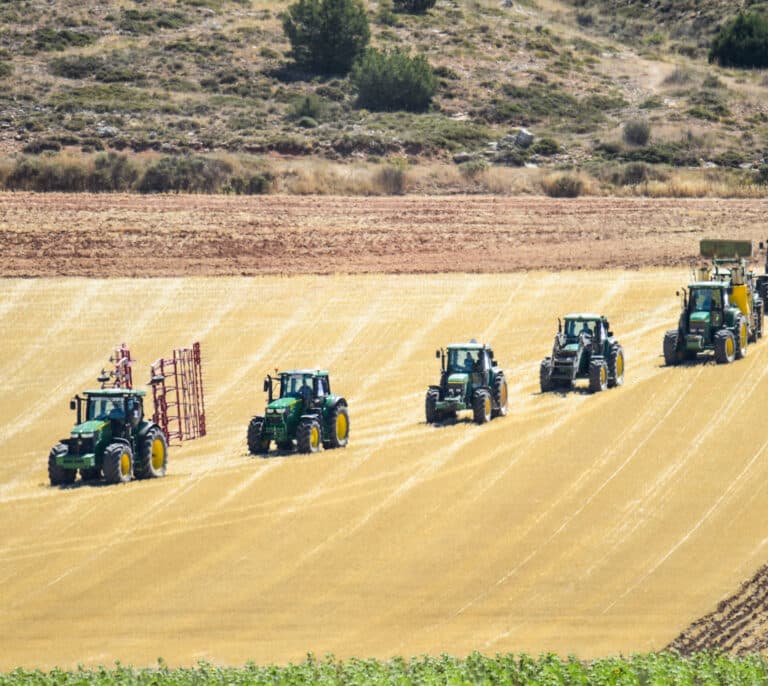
column 579, row 524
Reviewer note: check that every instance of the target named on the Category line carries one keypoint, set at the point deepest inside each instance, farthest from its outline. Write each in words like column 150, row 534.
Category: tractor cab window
column 135, row 410
column 575, row 327
column 463, row 361
column 320, row 391
column 295, row 386
column 105, row 408
column 701, row 300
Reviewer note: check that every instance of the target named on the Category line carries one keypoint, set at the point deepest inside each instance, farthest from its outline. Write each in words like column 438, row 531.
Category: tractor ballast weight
column 113, row 438
column 584, row 348
column 305, row 415
column 470, row 379
column 722, row 310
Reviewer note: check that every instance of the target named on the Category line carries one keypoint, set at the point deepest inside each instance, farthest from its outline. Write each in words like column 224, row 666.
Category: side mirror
column 677, row 293
column 437, row 354
column 72, row 404
column 559, row 326
column 762, row 246
column 266, row 385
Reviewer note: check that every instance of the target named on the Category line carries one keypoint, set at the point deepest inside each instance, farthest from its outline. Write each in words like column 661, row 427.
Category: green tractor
column 305, row 413
column 470, row 379
column 721, row 310
column 111, row 437
column 584, row 348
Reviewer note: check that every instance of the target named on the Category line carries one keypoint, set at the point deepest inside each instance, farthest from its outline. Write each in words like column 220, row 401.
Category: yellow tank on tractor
column 721, row 309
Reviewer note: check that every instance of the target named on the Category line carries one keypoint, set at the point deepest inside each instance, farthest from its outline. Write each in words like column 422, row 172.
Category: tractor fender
column 311, row 415
column 482, row 388
column 145, row 428
column 122, row 441
column 435, row 388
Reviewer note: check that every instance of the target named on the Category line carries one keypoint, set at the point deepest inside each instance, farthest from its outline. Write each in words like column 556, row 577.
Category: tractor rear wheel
column 430, row 403
column 308, row 438
column 258, row 444
column 482, row 406
column 117, row 463
column 741, row 337
column 154, row 455
column 616, row 366
column 598, row 376
column 59, row 476
column 672, row 355
column 545, row 375
column 725, row 347
column 500, row 396
column 90, row 473
column 339, row 425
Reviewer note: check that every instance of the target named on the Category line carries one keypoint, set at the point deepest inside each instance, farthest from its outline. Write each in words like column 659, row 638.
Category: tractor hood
column 458, row 378
column 700, row 317
column 89, row 427
column 282, row 403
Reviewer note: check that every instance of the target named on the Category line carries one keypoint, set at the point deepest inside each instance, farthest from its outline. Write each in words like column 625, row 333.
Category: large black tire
column 57, row 475
column 545, row 375
column 759, row 308
column 598, row 376
column 308, row 436
column 741, row 337
column 338, row 423
column 258, row 444
column 725, row 347
column 482, row 407
column 153, row 460
column 672, row 354
column 615, row 366
column 118, row 463
column 90, row 473
column 500, row 396
column 430, row 410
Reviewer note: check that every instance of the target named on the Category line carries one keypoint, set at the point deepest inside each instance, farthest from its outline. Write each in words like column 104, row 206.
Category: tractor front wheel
column 258, row 444
column 616, row 366
column 545, row 376
column 430, row 403
column 308, row 438
column 725, row 347
column 500, row 396
column 118, row 463
column 154, row 455
column 482, row 406
column 339, row 425
column 59, row 476
column 598, row 376
column 672, row 354
column 741, row 337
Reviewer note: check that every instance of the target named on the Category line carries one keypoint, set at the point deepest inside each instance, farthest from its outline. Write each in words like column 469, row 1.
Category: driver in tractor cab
column 585, row 330
column 468, row 362
column 305, row 392
column 703, row 300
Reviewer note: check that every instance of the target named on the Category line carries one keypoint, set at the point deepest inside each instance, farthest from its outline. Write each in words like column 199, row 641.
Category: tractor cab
column 706, row 304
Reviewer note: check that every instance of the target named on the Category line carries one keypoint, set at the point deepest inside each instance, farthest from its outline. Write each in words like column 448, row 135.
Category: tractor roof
column 305, row 372
column 115, row 392
column 708, row 284
column 582, row 317
column 467, row 346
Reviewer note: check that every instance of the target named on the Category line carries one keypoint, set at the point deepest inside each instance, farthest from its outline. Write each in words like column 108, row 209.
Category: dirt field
column 113, row 236
column 585, row 524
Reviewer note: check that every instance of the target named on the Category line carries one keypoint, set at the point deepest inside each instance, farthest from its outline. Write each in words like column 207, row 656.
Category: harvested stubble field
column 578, row 524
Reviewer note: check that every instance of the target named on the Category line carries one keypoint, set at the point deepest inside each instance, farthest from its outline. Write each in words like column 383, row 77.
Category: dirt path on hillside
column 129, row 235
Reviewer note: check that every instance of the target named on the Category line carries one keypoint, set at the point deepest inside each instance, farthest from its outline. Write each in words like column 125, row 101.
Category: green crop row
column 654, row 669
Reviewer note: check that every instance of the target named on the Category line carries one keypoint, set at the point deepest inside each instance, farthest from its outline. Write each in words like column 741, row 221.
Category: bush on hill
column 742, row 42
column 393, row 80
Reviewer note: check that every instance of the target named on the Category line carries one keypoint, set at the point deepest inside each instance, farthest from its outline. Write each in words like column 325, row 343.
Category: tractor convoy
column 722, row 311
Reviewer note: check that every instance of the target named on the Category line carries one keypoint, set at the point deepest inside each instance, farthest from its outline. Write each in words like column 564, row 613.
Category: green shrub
column 112, row 172
column 393, row 80
column 327, row 36
column 256, row 184
column 114, row 68
column 545, row 147
column 6, row 69
column 414, row 6
column 139, row 22
column 563, row 186
column 45, row 175
column 311, row 106
column 742, row 42
column 762, row 175
column 472, row 169
column 40, row 146
column 51, row 39
column 637, row 132
column 188, row 174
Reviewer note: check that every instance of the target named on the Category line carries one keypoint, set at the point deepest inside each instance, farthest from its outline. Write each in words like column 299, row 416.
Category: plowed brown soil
column 586, row 524
column 129, row 235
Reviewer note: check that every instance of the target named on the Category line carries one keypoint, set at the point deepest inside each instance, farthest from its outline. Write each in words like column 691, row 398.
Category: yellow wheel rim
column 487, row 406
column 314, row 437
column 603, row 376
column 341, row 426
column 158, row 453
column 729, row 346
column 620, row 365
column 503, row 395
column 125, row 464
column 743, row 335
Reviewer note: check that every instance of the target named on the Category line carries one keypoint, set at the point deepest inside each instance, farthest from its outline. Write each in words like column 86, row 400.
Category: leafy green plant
column 326, row 36
column 742, row 42
column 393, row 80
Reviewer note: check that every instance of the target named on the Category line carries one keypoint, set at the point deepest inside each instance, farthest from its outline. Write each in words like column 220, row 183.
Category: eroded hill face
column 578, row 524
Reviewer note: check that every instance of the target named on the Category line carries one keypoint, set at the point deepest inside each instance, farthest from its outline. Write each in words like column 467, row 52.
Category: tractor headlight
column 85, row 435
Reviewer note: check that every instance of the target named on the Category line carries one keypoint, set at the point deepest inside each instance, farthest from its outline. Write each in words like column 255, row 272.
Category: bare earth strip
column 586, row 524
column 129, row 235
